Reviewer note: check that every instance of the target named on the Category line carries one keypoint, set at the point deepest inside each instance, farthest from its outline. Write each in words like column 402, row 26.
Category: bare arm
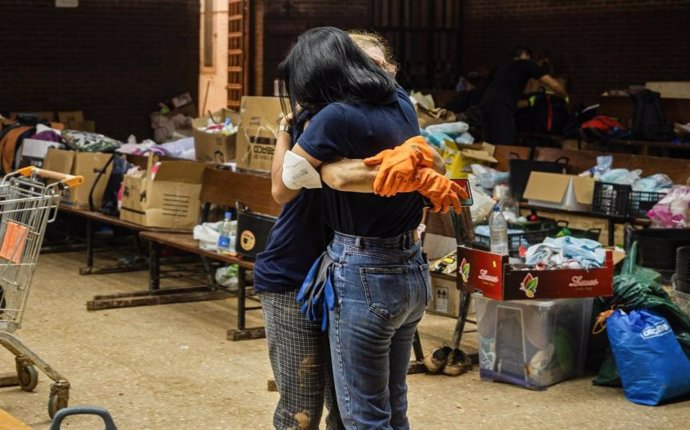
column 353, row 175
column 556, row 86
column 349, row 175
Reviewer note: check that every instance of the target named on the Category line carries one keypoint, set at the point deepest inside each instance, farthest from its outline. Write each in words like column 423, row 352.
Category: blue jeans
column 382, row 287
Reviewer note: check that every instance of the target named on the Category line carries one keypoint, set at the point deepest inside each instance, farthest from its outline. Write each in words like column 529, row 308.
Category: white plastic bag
column 207, row 235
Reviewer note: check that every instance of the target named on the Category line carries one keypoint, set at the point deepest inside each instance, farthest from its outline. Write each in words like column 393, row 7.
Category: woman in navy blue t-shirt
column 379, row 274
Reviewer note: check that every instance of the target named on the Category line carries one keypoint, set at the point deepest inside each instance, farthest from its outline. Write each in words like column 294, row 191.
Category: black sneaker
column 457, row 363
column 435, row 361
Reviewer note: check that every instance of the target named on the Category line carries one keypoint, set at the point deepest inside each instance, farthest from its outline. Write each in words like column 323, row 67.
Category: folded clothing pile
column 182, row 148
column 451, row 133
column 89, row 142
column 566, row 252
column 654, row 183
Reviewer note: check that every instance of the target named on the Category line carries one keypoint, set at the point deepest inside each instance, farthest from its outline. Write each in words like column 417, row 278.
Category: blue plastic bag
column 651, row 364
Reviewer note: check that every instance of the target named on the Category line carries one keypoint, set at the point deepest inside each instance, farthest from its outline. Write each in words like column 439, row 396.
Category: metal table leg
column 612, row 231
column 242, row 332
column 417, row 365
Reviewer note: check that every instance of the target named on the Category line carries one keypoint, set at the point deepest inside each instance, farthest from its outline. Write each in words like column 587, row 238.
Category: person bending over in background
column 500, row 99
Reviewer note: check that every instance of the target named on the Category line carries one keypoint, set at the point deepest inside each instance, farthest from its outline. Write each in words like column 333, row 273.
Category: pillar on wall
column 213, row 61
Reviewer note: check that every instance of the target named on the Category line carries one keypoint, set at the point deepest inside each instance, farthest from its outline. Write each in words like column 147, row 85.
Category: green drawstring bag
column 636, row 288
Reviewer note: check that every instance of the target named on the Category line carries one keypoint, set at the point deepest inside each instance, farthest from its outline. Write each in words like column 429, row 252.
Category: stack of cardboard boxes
column 166, row 194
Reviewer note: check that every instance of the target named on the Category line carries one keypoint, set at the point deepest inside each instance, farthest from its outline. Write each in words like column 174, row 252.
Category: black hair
column 521, row 49
column 326, row 66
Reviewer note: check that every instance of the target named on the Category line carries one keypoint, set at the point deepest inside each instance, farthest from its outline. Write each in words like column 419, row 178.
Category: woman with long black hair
column 298, row 349
column 380, row 277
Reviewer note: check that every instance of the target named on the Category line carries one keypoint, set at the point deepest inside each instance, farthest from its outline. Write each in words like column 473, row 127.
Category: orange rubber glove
column 441, row 191
column 400, row 164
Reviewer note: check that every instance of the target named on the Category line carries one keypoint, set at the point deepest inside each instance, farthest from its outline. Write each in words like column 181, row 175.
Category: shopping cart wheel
column 28, row 376
column 59, row 398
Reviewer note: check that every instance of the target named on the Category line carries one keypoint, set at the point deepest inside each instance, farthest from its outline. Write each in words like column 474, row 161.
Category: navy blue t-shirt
column 298, row 237
column 296, row 240
column 360, row 131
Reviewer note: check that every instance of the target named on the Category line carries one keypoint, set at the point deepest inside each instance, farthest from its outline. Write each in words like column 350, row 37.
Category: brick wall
column 281, row 27
column 113, row 59
column 598, row 44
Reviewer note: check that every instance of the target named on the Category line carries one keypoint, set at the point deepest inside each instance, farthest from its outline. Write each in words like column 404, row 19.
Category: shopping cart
column 27, row 205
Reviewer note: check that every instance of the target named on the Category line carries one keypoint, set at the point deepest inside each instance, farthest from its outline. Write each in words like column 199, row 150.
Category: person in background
column 500, row 99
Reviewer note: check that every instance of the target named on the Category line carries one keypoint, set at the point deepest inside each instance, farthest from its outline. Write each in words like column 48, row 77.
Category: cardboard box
column 553, row 190
column 496, row 279
column 168, row 198
column 86, row 164
column 256, row 136
column 215, row 147
column 670, row 89
column 74, row 120
column 533, row 344
column 34, row 151
column 445, row 297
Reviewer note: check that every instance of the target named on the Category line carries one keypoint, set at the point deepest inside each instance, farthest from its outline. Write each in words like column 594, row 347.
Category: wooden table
column 93, row 218
column 155, row 295
column 611, row 220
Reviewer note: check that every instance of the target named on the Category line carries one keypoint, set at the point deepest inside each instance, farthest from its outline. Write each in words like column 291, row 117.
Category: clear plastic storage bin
column 532, row 343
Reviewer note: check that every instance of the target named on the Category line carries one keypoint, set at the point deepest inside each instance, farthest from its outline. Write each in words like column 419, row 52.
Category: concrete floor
column 170, row 367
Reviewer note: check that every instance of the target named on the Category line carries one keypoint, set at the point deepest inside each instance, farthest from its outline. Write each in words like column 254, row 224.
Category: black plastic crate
column 515, row 240
column 621, row 201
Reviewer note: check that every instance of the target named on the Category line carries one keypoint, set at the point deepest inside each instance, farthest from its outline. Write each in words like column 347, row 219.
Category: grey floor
column 170, row 367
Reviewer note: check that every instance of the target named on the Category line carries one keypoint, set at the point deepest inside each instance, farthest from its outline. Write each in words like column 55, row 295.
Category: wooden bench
column 678, row 169
column 622, row 108
column 222, row 188
column 93, row 218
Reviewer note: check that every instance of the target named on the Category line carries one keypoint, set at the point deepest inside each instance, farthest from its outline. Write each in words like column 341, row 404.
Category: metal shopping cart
column 27, row 205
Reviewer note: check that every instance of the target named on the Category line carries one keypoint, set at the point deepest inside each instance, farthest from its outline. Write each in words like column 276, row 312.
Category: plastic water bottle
column 224, row 240
column 498, row 228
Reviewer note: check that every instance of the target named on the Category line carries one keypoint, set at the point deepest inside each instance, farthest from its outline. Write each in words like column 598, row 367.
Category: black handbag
column 521, row 169
column 253, row 230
